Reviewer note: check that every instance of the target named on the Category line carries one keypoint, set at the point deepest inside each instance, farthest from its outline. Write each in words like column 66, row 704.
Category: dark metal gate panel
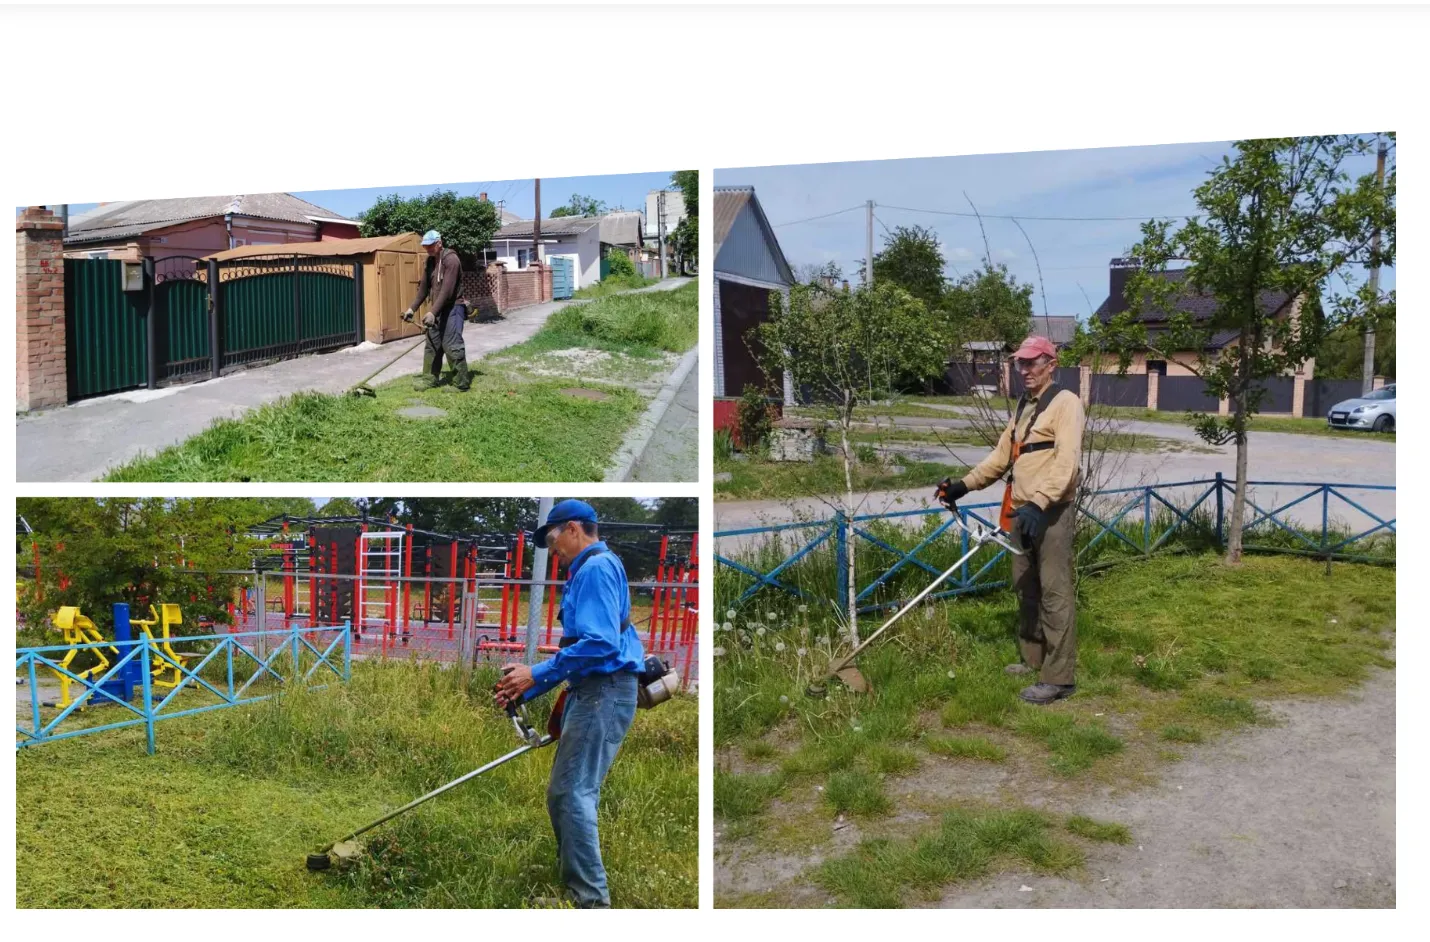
column 181, row 307
column 742, row 308
column 1109, row 389
column 1280, row 394
column 1066, row 377
column 562, row 278
column 106, row 347
column 960, row 377
column 1321, row 394
column 271, row 309
column 327, row 309
column 258, row 317
column 1185, row 394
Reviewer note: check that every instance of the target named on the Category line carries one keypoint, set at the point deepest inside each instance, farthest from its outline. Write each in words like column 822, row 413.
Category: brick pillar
column 1154, row 385
column 1224, row 407
column 1377, row 382
column 1084, row 384
column 1298, row 395
column 40, row 375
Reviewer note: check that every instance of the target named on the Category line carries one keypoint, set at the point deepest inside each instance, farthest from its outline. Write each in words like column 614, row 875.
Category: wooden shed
column 391, row 271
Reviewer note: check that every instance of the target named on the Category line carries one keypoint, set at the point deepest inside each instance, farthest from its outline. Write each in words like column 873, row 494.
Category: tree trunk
column 1238, row 502
column 853, row 588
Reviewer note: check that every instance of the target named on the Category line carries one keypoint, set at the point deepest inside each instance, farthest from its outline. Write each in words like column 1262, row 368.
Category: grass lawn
column 226, row 811
column 513, row 425
column 1111, row 441
column 614, row 285
column 1174, row 650
column 761, row 479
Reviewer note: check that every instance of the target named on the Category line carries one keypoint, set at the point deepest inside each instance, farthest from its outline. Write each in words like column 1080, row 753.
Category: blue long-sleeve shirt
column 596, row 612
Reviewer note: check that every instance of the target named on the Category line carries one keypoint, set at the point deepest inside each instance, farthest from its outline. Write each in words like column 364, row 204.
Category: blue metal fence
column 1161, row 516
column 273, row 655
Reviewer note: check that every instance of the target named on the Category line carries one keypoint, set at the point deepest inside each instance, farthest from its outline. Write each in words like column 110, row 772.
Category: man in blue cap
column 442, row 279
column 600, row 659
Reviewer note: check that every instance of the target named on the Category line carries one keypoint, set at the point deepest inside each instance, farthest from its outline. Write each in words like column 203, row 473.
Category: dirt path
column 1297, row 815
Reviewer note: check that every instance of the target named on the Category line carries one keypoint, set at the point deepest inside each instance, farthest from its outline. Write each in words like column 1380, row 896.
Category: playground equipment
column 78, row 629
column 165, row 673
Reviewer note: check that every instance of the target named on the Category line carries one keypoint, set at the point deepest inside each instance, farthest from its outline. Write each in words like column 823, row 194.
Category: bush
column 756, row 418
column 621, row 264
column 724, row 444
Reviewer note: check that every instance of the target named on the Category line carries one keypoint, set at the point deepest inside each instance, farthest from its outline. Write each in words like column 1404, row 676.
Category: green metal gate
column 274, row 308
column 181, row 312
column 106, row 329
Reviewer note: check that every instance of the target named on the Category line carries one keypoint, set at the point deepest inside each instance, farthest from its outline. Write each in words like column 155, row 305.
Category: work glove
column 950, row 492
column 428, row 320
column 1030, row 521
column 407, row 315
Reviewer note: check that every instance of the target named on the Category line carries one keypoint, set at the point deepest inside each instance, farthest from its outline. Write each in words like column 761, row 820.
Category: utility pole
column 869, row 246
column 538, row 591
column 660, row 228
column 536, row 226
column 1367, row 378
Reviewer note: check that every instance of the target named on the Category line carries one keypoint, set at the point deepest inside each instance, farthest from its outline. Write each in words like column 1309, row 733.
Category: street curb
column 639, row 437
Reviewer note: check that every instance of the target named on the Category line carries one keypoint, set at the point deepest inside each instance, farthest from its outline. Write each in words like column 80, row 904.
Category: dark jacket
column 442, row 278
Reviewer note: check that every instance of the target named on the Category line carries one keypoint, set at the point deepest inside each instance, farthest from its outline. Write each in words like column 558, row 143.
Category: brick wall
column 40, row 375
column 495, row 290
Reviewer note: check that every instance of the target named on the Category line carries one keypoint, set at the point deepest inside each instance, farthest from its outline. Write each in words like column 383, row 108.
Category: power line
column 837, row 212
column 950, row 212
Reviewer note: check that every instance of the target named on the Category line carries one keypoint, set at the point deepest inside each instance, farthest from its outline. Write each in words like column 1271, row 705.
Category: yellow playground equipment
column 78, row 629
column 169, row 616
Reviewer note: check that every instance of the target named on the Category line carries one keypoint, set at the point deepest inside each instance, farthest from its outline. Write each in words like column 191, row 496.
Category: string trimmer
column 844, row 670
column 348, row 849
column 363, row 389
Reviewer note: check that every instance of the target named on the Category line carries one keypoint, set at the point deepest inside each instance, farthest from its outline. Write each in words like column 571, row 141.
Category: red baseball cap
column 1035, row 347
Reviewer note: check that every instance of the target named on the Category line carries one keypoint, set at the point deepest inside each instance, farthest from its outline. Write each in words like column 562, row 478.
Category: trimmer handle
column 982, row 534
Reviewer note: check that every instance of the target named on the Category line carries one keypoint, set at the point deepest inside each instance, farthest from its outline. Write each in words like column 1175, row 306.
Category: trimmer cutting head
column 340, row 854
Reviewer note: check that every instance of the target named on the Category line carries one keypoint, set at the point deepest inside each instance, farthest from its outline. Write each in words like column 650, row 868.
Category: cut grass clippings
column 226, row 811
column 511, row 426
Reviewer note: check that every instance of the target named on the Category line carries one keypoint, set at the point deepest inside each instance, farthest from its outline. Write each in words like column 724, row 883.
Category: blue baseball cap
column 565, row 512
column 432, row 236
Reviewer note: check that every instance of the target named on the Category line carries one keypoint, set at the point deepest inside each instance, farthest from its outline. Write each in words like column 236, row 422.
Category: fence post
column 1147, row 522
column 347, row 650
column 1220, row 511
column 841, row 557
column 215, row 344
column 1325, row 516
column 151, row 332
column 357, row 303
column 297, row 307
column 293, row 646
column 148, row 691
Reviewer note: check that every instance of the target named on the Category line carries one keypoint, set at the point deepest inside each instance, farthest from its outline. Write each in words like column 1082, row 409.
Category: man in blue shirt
column 600, row 659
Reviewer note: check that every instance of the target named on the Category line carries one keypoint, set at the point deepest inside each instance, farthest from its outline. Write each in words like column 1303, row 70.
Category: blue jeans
column 599, row 711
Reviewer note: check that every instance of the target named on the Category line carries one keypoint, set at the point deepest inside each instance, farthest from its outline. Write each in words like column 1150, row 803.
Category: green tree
column 913, row 260
column 685, row 240
column 580, row 205
column 1282, row 222
column 621, row 264
column 467, row 223
column 850, row 348
column 678, row 513
column 98, row 551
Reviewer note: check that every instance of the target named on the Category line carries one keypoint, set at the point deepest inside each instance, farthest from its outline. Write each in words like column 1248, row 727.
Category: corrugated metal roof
column 133, row 217
column 729, row 200
column 407, row 241
column 562, row 225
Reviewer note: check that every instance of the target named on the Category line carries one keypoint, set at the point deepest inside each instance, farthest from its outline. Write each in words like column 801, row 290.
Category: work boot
column 462, row 377
column 1017, row 669
column 423, row 382
column 1043, row 694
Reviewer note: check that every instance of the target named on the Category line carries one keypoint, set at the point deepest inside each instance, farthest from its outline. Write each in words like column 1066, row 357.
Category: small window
column 523, row 258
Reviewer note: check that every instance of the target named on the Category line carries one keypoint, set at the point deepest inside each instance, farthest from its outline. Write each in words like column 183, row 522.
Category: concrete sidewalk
column 673, row 451
column 82, row 442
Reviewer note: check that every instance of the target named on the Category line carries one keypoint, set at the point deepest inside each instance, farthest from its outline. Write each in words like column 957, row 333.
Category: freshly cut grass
column 1187, row 734
column 743, row 796
column 967, row 747
column 885, row 873
column 235, row 799
column 1073, row 746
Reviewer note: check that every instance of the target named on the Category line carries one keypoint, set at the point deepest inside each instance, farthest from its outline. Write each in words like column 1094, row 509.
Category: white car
column 1373, row 412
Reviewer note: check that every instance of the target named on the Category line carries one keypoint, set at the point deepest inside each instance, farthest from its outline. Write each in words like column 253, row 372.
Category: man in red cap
column 1040, row 453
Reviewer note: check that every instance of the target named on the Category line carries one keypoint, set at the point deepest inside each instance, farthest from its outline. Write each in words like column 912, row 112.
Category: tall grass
column 650, row 321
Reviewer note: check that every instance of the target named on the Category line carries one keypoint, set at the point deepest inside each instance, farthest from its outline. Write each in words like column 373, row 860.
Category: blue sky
column 625, row 190
column 1133, row 182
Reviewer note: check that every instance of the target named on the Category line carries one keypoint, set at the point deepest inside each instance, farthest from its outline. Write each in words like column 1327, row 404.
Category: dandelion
column 950, row 675
column 801, row 652
column 729, row 613
column 784, row 699
column 760, row 631
column 858, row 729
column 770, row 616
column 726, row 627
column 803, row 609
column 719, row 652
column 779, row 645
